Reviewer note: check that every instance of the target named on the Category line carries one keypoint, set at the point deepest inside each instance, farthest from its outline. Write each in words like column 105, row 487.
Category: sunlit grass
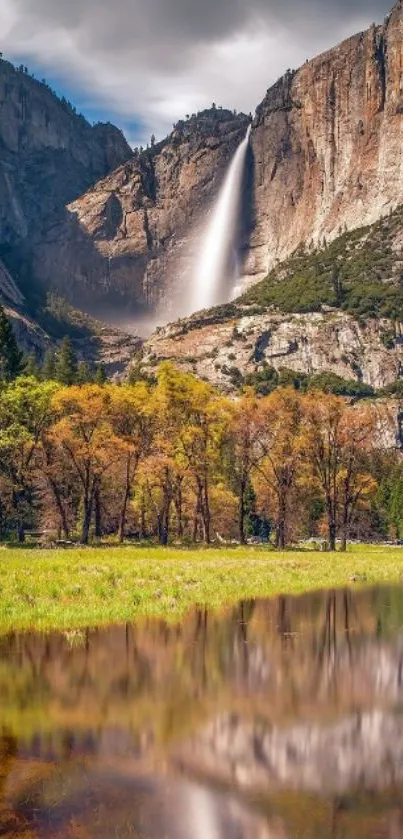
column 66, row 589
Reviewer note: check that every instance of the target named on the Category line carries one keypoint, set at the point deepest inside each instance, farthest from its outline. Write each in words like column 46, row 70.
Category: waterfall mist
column 217, row 258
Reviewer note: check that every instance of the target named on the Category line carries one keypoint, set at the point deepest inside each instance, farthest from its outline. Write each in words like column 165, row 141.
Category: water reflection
column 274, row 720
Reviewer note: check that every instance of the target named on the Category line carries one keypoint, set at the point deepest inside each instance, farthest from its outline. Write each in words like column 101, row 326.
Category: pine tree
column 48, row 367
column 84, row 373
column 66, row 363
column 100, row 375
column 31, row 366
column 11, row 358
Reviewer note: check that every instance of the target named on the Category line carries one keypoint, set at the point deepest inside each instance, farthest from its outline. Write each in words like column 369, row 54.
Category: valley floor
column 72, row 589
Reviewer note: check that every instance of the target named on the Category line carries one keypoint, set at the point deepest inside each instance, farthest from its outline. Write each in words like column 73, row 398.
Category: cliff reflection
column 275, row 719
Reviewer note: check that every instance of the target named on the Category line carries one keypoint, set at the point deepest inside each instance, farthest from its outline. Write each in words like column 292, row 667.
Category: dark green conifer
column 84, row 373
column 31, row 366
column 66, row 363
column 48, row 366
column 100, row 375
column 11, row 358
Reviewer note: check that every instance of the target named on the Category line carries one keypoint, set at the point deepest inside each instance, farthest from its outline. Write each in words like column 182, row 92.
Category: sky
column 144, row 64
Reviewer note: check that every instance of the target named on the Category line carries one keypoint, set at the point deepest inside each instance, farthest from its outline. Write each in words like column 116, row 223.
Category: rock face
column 8, row 289
column 327, row 145
column 48, row 156
column 219, row 349
column 122, row 242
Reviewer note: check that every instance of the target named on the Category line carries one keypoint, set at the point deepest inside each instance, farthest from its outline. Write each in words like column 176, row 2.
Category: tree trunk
column 179, row 514
column 206, row 513
column 123, row 514
column 332, row 533
column 281, row 525
column 281, row 536
column 98, row 512
column 196, row 515
column 241, row 519
column 344, row 536
column 345, row 517
column 143, row 530
column 88, row 505
column 126, row 497
column 165, row 522
column 60, row 509
column 21, row 533
column 18, row 499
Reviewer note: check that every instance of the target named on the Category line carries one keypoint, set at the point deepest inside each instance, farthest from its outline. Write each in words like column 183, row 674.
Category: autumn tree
column 132, row 413
column 357, row 484
column 84, row 433
column 244, row 432
column 25, row 411
column 162, row 486
column 59, row 494
column 337, row 436
column 194, row 418
column 278, row 454
column 324, row 415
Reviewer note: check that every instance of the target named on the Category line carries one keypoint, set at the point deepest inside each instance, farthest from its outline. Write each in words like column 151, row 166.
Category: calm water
column 274, row 720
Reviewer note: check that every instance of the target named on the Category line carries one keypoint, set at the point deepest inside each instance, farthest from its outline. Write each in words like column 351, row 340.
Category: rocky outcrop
column 30, row 337
column 327, row 145
column 8, row 290
column 223, row 350
column 131, row 235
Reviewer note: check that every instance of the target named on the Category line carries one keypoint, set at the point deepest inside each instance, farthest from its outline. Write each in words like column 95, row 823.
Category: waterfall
column 210, row 283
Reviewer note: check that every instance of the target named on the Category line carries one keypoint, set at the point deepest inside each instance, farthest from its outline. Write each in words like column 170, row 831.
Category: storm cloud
column 153, row 61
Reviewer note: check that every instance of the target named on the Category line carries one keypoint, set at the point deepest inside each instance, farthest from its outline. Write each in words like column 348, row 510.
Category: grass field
column 66, row 589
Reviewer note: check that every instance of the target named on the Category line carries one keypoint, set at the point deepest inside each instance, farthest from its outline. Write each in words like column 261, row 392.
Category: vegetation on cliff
column 360, row 272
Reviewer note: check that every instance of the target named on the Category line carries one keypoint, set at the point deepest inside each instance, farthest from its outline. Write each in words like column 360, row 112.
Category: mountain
column 325, row 156
column 337, row 309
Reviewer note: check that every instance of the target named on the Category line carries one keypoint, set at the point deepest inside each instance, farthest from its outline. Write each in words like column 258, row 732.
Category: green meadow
column 76, row 588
